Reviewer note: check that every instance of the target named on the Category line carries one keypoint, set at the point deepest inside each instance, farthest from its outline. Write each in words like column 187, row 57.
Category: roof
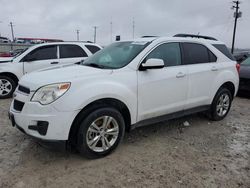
column 182, row 39
column 58, row 43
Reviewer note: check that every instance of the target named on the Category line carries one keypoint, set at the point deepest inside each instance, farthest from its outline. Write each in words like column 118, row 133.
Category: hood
column 43, row 77
column 5, row 59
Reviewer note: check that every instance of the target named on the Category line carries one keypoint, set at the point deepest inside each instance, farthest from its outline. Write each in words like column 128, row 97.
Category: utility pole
column 0, row 32
column 95, row 28
column 133, row 26
column 77, row 34
column 12, row 31
column 111, row 30
column 237, row 15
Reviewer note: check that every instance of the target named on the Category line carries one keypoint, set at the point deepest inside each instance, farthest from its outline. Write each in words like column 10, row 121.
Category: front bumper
column 33, row 116
column 58, row 145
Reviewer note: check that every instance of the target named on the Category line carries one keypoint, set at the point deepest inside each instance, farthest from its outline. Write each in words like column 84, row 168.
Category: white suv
column 125, row 85
column 39, row 57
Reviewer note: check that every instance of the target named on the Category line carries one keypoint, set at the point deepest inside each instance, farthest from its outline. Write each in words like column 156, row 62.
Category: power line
column 237, row 14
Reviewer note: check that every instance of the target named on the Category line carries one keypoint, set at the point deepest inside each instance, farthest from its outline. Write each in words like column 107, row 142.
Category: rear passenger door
column 202, row 70
column 71, row 53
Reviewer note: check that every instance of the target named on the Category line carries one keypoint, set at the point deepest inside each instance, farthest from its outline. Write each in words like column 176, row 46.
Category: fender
column 223, row 77
column 116, row 87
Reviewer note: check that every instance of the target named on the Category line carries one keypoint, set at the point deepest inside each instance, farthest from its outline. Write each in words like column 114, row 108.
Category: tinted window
column 170, row 53
column 223, row 49
column 43, row 53
column 92, row 49
column 70, row 51
column 212, row 57
column 195, row 53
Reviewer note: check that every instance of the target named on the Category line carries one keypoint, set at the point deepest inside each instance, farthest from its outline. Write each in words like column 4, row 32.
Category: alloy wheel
column 5, row 87
column 223, row 105
column 102, row 134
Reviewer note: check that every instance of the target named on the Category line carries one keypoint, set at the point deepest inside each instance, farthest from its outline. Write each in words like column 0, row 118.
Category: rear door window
column 197, row 53
column 223, row 49
column 71, row 51
column 93, row 49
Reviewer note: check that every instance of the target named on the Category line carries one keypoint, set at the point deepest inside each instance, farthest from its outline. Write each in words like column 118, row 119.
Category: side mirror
column 152, row 63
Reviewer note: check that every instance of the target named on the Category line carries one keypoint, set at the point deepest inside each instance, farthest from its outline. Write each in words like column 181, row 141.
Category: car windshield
column 246, row 62
column 116, row 55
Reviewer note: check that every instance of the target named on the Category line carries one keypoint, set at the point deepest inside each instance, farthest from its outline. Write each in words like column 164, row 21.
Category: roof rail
column 148, row 36
column 195, row 36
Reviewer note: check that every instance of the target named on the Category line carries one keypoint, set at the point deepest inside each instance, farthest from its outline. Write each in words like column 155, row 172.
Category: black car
column 245, row 76
column 240, row 57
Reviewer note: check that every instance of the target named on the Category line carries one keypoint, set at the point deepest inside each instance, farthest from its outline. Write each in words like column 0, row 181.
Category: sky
column 60, row 19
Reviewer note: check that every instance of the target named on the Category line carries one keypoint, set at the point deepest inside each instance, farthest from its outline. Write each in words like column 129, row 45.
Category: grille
column 18, row 105
column 24, row 89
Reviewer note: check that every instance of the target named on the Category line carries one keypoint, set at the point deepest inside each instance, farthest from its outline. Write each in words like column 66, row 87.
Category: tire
column 96, row 139
column 7, row 87
column 221, row 104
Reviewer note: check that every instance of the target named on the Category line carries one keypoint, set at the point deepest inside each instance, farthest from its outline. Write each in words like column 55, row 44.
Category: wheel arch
column 10, row 75
column 230, row 86
column 104, row 102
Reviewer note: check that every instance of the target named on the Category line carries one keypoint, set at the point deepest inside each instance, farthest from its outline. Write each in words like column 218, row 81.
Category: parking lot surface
column 199, row 153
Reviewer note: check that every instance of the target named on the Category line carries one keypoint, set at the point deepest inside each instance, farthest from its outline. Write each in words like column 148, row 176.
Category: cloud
column 61, row 18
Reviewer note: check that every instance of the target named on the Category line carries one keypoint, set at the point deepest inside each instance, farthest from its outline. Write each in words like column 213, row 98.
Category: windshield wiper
column 95, row 65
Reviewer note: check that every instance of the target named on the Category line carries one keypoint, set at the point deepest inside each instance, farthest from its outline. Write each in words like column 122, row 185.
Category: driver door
column 41, row 57
column 162, row 91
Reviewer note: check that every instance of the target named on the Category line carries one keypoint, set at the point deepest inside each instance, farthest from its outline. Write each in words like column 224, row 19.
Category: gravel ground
column 204, row 154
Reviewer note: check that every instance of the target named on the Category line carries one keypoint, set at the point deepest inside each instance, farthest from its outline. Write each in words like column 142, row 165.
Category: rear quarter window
column 93, row 49
column 223, row 49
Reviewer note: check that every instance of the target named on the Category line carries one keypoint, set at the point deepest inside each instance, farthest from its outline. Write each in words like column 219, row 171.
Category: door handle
column 214, row 69
column 180, row 75
column 53, row 63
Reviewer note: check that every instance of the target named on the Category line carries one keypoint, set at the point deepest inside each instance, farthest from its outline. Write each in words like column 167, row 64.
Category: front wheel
column 7, row 87
column 221, row 104
column 100, row 132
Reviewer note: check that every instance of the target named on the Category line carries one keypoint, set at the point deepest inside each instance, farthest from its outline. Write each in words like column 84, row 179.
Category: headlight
column 50, row 93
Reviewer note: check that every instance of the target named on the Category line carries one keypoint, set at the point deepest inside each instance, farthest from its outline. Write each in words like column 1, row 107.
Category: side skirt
column 170, row 116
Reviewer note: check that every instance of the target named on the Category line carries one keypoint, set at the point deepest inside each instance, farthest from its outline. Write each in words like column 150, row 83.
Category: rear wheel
column 100, row 132
column 221, row 104
column 7, row 87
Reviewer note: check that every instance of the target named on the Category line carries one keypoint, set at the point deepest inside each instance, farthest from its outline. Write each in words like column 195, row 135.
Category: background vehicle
column 245, row 76
column 39, row 57
column 240, row 57
column 4, row 40
column 126, row 85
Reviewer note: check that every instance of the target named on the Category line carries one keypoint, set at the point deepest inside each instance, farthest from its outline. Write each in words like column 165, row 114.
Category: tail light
column 238, row 67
